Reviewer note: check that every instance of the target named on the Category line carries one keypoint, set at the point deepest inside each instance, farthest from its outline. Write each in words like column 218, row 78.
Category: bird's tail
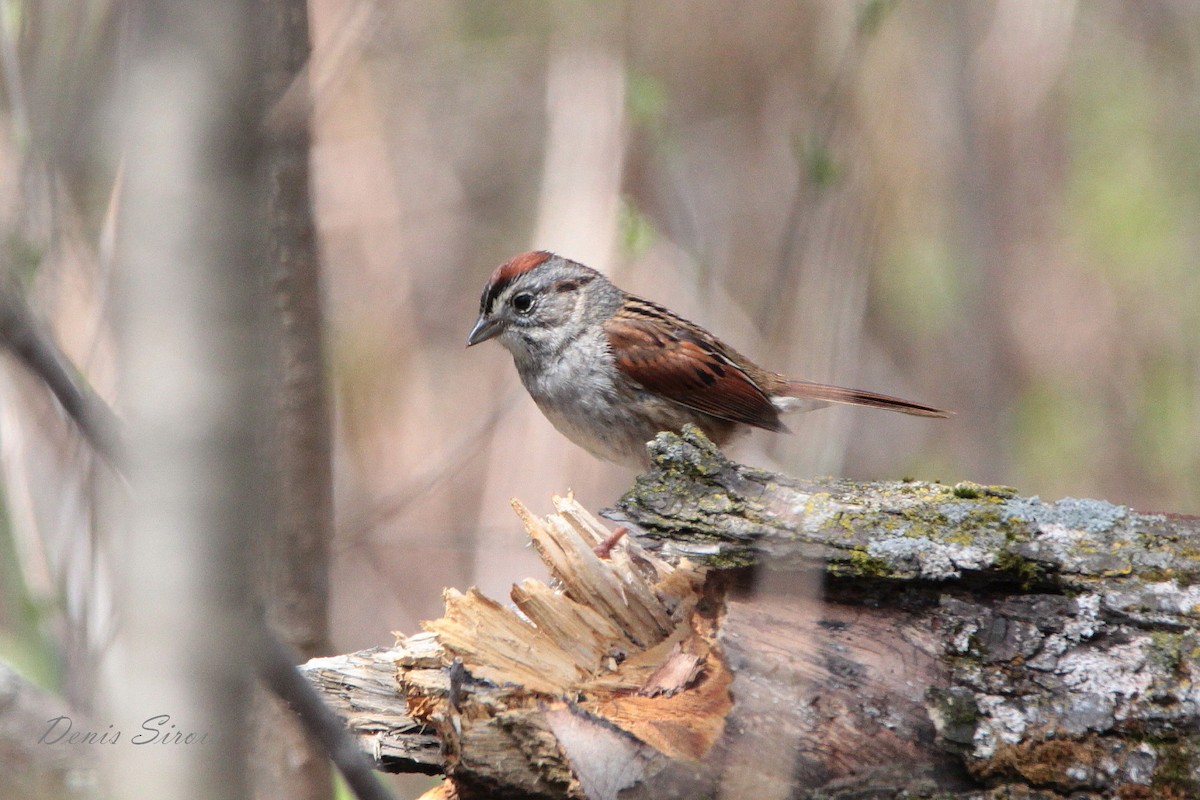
column 815, row 395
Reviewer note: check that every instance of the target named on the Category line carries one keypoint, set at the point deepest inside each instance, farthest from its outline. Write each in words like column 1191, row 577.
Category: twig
column 277, row 668
column 33, row 346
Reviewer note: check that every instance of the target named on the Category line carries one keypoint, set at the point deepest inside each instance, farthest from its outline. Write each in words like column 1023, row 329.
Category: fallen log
column 761, row 636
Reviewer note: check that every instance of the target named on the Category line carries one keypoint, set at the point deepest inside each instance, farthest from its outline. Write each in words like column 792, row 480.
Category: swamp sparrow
column 611, row 370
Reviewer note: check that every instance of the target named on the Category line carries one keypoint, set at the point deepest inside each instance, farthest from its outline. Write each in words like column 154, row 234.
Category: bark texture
column 293, row 559
column 965, row 642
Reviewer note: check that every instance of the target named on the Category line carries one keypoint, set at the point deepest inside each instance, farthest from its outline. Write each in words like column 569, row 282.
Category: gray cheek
column 517, row 340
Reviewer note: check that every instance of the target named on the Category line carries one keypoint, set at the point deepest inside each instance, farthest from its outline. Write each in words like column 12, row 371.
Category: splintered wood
column 614, row 655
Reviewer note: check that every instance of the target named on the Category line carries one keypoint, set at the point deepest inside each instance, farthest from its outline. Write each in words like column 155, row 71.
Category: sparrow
column 611, row 370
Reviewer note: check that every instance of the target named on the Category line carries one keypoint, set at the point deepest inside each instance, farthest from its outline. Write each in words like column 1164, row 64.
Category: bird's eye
column 523, row 302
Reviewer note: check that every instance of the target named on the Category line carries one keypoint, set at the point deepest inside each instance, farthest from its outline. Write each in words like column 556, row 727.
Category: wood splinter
column 614, row 661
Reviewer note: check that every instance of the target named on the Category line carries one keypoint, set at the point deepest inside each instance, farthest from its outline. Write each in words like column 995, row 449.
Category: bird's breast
column 581, row 393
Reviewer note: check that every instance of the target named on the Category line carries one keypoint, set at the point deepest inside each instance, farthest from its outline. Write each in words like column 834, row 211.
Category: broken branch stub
column 593, row 680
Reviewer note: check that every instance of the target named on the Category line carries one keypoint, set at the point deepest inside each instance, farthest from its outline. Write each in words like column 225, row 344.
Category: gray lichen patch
column 928, row 559
column 1154, row 602
column 1092, row 516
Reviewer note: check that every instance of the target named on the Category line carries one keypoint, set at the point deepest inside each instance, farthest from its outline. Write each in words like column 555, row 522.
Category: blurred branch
column 30, row 342
column 277, row 668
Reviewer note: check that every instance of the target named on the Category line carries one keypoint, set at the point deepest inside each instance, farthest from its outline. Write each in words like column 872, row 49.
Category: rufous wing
column 667, row 356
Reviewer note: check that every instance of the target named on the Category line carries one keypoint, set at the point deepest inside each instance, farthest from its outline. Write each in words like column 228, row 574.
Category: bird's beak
column 484, row 329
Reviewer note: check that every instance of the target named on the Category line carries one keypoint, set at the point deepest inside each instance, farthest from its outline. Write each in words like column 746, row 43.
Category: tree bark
column 969, row 643
column 293, row 559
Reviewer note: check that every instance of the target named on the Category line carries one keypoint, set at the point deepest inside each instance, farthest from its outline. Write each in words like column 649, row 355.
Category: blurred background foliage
column 992, row 206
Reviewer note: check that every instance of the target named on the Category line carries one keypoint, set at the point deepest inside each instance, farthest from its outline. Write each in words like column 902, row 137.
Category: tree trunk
column 188, row 285
column 968, row 643
column 293, row 559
